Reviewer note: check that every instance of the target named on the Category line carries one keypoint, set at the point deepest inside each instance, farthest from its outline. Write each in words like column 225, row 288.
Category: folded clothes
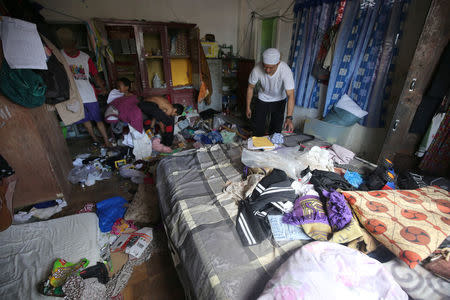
column 340, row 154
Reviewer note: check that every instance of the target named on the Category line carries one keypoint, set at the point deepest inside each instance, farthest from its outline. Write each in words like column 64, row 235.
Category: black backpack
column 55, row 78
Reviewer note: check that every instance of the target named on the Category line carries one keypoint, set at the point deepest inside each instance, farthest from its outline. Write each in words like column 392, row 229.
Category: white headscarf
column 271, row 56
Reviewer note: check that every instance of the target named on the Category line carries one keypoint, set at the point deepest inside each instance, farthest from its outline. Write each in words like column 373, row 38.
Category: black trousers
column 262, row 110
column 152, row 110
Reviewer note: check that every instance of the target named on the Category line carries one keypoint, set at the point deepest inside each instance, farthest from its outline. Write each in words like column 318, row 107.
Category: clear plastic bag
column 287, row 159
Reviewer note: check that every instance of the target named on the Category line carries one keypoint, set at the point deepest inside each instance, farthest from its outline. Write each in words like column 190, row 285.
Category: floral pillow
column 411, row 223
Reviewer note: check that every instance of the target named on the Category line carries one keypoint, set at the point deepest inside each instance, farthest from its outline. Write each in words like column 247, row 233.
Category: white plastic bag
column 286, row 159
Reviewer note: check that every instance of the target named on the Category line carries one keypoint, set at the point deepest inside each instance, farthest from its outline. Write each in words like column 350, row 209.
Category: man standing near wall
column 276, row 81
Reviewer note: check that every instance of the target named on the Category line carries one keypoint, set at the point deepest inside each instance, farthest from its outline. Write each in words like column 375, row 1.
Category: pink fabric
column 158, row 147
column 324, row 270
column 129, row 112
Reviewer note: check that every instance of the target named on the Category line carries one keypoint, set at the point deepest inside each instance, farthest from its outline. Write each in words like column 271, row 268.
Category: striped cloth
column 273, row 192
column 200, row 222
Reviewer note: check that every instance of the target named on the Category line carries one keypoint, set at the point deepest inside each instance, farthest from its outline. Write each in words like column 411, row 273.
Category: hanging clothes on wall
column 363, row 55
column 376, row 107
column 72, row 110
column 313, row 19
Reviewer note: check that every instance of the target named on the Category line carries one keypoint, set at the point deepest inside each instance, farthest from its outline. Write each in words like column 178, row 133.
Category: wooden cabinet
column 159, row 58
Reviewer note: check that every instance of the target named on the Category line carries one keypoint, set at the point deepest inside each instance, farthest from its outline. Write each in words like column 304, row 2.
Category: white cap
column 271, row 56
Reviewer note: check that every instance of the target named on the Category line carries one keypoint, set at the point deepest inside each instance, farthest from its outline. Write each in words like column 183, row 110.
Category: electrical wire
column 64, row 14
column 173, row 11
column 245, row 35
column 284, row 17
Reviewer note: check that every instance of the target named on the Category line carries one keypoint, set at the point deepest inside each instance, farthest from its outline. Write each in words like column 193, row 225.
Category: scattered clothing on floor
column 99, row 272
column 73, row 287
column 142, row 145
column 158, row 147
column 93, row 290
column 39, row 213
column 130, row 171
column 227, row 136
column 88, row 207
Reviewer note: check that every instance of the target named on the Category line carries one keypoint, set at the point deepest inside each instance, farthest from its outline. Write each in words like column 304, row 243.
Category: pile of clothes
column 367, row 209
column 206, row 128
column 122, row 246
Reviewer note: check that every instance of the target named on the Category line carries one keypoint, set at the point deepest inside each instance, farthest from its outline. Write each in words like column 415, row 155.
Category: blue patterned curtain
column 313, row 18
column 362, row 56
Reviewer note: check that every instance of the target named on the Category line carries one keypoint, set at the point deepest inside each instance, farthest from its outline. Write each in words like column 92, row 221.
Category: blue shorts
column 91, row 113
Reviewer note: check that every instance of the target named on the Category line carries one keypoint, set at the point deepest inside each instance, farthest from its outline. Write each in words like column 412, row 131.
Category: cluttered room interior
column 241, row 149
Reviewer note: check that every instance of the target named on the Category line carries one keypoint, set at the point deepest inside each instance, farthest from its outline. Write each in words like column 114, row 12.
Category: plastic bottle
column 156, row 81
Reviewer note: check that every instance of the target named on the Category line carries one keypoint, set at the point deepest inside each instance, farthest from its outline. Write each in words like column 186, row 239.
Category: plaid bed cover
column 200, row 222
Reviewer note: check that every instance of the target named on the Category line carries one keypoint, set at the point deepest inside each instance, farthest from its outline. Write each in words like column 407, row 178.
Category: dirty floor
column 154, row 279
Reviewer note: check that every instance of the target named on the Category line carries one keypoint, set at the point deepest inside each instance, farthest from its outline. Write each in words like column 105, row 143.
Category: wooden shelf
column 156, row 92
column 153, row 47
column 126, row 73
column 179, row 56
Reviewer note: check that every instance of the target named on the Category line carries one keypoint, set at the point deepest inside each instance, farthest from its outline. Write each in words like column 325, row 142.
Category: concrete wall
column 212, row 16
column 267, row 8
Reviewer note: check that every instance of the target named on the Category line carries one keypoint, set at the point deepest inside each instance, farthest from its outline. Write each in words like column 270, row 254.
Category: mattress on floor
column 27, row 252
column 200, row 224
